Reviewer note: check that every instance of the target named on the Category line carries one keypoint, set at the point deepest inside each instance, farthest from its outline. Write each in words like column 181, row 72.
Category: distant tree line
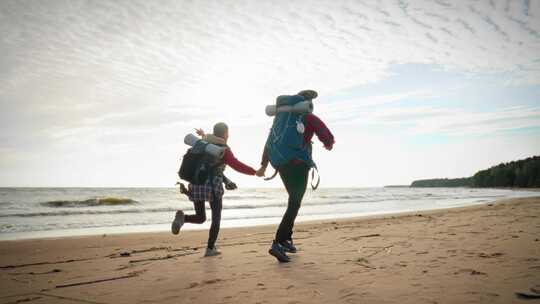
column 522, row 173
column 443, row 182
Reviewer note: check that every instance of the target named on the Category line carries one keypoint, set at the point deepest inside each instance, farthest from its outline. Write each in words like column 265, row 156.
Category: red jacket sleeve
column 237, row 165
column 315, row 125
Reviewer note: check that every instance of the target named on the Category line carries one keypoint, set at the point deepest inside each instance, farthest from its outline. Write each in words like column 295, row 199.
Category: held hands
column 261, row 171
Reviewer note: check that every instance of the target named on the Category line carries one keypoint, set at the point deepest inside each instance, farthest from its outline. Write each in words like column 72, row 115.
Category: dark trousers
column 294, row 177
column 200, row 217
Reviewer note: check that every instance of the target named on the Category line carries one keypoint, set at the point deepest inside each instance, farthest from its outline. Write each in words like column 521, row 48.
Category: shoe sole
column 288, row 250
column 176, row 224
column 277, row 255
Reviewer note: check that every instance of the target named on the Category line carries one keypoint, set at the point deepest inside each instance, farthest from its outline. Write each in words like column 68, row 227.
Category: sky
column 102, row 93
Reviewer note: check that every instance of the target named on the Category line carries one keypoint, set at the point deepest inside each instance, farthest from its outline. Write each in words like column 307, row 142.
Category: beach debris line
column 206, row 282
column 470, row 271
column 356, row 238
column 492, row 255
column 28, row 299
column 42, row 293
column 129, row 275
column 128, row 253
column 168, row 256
column 44, row 263
column 35, row 273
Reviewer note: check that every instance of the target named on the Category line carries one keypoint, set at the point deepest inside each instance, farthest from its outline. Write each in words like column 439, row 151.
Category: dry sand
column 482, row 254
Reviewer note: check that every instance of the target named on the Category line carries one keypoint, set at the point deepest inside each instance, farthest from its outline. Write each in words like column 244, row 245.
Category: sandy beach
column 481, row 254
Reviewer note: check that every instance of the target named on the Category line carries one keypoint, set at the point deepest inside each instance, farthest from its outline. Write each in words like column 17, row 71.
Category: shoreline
column 152, row 229
column 475, row 254
column 152, row 212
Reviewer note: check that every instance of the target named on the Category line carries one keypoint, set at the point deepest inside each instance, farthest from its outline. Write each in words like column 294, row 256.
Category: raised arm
column 315, row 125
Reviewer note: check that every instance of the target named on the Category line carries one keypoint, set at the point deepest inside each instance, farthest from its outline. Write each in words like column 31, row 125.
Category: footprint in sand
column 350, row 297
column 206, row 282
column 470, row 271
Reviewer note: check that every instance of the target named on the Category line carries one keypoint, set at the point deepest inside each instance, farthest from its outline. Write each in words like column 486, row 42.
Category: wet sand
column 481, row 254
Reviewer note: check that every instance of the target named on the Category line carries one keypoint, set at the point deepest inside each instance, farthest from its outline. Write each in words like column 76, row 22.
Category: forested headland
column 523, row 173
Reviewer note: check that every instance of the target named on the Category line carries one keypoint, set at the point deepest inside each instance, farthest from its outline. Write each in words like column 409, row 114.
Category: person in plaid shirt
column 294, row 175
column 212, row 189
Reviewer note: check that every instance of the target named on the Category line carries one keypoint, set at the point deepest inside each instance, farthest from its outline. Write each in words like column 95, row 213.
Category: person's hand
column 200, row 132
column 230, row 186
column 328, row 147
column 260, row 172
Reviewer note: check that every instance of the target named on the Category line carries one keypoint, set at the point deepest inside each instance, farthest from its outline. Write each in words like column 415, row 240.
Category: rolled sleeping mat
column 211, row 149
column 301, row 107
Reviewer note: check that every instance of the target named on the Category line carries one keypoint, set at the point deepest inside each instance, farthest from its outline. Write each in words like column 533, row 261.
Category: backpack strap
column 271, row 177
column 314, row 187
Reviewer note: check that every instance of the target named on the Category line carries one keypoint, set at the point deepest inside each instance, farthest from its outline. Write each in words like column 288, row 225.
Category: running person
column 294, row 174
column 212, row 189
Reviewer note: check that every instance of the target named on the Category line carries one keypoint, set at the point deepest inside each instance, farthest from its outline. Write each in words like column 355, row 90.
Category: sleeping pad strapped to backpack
column 286, row 139
column 197, row 165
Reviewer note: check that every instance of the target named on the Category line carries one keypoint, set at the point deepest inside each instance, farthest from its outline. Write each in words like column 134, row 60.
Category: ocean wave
column 247, row 197
column 106, row 201
column 87, row 212
column 342, row 196
column 121, row 211
column 163, row 209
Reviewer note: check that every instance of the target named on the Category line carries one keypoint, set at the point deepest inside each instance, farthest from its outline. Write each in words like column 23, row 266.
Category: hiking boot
column 277, row 251
column 211, row 252
column 178, row 222
column 288, row 246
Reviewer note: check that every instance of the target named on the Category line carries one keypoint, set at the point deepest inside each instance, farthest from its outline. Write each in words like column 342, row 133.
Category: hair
column 220, row 129
column 308, row 94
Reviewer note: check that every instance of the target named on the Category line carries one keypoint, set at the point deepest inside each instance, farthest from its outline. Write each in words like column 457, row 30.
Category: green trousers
column 295, row 178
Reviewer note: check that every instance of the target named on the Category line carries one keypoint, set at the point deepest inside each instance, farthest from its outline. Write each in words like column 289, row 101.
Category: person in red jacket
column 212, row 189
column 294, row 175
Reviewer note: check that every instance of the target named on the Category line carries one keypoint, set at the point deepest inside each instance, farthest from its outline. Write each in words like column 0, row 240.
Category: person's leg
column 301, row 186
column 200, row 214
column 180, row 218
column 216, row 207
column 294, row 177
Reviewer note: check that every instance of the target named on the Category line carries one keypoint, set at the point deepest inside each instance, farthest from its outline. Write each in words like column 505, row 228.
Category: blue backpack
column 285, row 142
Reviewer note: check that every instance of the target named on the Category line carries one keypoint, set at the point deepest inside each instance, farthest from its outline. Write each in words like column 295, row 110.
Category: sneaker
column 288, row 246
column 178, row 222
column 277, row 251
column 212, row 252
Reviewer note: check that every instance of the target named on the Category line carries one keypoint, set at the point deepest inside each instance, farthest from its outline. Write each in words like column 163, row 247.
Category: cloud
column 118, row 51
column 113, row 71
column 450, row 121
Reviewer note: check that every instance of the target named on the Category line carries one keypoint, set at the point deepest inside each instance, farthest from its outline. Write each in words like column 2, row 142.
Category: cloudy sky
column 101, row 93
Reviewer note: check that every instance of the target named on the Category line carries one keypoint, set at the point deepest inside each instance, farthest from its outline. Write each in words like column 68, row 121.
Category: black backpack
column 194, row 167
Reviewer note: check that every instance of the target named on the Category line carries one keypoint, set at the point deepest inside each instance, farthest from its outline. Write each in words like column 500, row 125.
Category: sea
column 58, row 212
